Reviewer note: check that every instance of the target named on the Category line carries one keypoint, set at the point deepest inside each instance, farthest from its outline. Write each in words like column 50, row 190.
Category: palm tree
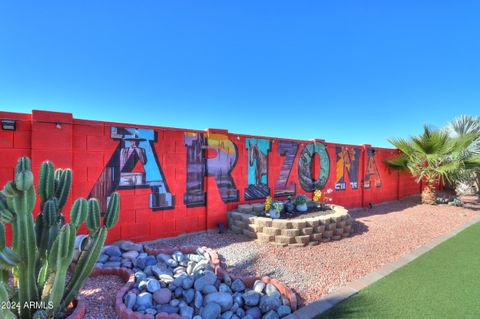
column 434, row 157
column 462, row 126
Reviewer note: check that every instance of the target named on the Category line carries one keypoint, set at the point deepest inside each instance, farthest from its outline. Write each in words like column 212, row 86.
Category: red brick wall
column 87, row 147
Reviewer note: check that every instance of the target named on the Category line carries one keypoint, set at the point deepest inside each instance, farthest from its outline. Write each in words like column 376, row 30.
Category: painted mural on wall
column 347, row 162
column 134, row 164
column 195, row 189
column 283, row 187
column 221, row 166
column 305, row 177
column 258, row 150
column 372, row 171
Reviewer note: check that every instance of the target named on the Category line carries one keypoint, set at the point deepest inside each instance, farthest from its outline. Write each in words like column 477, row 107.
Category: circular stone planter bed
column 188, row 282
column 310, row 229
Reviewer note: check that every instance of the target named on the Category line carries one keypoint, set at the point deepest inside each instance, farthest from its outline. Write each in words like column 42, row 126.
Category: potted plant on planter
column 301, row 203
column 276, row 209
column 268, row 205
column 322, row 198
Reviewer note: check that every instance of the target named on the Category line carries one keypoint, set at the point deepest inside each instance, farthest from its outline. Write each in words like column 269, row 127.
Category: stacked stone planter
column 296, row 232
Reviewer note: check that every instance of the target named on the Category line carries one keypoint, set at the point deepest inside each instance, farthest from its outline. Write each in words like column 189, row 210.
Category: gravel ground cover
column 381, row 235
column 99, row 293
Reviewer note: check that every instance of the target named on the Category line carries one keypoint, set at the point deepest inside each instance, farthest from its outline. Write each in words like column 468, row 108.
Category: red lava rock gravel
column 382, row 235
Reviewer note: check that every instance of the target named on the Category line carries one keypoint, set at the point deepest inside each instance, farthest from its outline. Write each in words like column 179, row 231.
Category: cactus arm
column 4, row 311
column 78, row 212
column 59, row 258
column 22, row 201
column 111, row 215
column 84, row 267
column 46, row 182
column 93, row 218
column 62, row 186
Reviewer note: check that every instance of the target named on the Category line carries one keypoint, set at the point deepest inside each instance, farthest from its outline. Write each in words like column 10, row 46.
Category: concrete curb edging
column 342, row 293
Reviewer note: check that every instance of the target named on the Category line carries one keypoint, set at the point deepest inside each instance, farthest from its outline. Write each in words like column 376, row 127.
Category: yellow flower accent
column 268, row 202
column 317, row 195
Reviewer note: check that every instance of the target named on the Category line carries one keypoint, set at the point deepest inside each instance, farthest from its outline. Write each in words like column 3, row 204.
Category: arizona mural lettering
column 372, row 170
column 134, row 164
column 347, row 162
column 282, row 186
column 308, row 183
column 258, row 150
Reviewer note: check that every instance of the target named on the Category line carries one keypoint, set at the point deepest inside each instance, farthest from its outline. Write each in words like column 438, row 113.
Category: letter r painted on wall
column 219, row 167
column 134, row 164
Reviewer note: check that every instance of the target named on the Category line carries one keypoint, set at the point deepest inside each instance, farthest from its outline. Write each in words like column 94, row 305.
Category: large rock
column 188, row 283
column 189, row 295
column 168, row 309
column 208, row 278
column 153, row 285
column 208, row 289
column 186, row 311
column 270, row 289
column 268, row 303
column 211, row 311
column 251, row 298
column 112, row 251
column 238, row 285
column 144, row 299
column 130, row 254
column 162, row 296
column 198, row 302
column 130, row 299
column 258, row 286
column 131, row 246
column 284, row 310
column 142, row 262
column 254, row 312
column 225, row 300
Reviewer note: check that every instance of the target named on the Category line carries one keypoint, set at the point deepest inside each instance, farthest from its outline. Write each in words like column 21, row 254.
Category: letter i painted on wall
column 258, row 150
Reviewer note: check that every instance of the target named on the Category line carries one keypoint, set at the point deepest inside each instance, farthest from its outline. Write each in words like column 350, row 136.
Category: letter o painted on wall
column 308, row 183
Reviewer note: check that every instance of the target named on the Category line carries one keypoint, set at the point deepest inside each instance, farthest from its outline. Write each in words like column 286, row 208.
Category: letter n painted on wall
column 195, row 190
column 221, row 165
column 307, row 181
column 282, row 186
column 258, row 150
column 134, row 164
column 372, row 170
column 347, row 162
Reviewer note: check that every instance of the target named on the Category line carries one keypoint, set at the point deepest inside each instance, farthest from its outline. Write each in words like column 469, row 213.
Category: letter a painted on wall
column 282, row 186
column 134, row 164
column 372, row 170
column 258, row 150
column 308, row 183
column 347, row 161
column 221, row 166
column 195, row 195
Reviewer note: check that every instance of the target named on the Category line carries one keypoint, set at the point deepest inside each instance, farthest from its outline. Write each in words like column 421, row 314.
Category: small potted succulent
column 301, row 203
column 289, row 205
column 276, row 209
column 322, row 198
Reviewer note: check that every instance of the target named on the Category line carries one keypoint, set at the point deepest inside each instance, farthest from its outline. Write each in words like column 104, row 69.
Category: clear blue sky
column 345, row 71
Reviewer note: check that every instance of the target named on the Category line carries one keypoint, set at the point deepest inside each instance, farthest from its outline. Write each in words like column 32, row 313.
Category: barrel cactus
column 42, row 249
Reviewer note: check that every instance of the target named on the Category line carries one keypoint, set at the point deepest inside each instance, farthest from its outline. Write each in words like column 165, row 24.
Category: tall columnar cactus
column 43, row 250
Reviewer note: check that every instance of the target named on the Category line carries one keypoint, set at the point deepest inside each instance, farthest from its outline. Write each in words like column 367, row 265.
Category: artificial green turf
column 442, row 283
